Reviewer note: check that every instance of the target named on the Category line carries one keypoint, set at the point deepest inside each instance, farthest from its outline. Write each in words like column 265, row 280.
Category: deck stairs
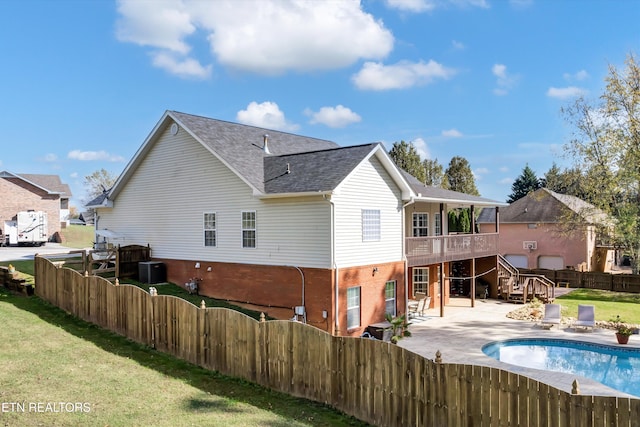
column 517, row 287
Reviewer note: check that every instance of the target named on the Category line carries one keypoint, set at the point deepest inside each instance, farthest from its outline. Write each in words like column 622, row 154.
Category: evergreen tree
column 526, row 183
column 434, row 173
column 459, row 177
column 406, row 157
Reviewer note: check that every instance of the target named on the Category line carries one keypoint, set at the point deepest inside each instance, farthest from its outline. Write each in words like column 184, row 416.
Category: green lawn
column 607, row 304
column 78, row 236
column 50, row 357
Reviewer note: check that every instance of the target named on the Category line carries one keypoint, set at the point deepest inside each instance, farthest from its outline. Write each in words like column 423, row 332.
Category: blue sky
column 82, row 83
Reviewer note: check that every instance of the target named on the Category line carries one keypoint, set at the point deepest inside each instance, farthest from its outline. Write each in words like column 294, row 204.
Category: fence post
column 575, row 387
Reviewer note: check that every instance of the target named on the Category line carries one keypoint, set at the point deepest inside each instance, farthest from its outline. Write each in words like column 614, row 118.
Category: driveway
column 10, row 253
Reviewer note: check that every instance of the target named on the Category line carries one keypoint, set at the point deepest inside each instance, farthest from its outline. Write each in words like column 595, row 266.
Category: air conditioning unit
column 530, row 245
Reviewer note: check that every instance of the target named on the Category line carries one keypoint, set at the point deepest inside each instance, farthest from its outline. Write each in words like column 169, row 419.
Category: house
column 280, row 221
column 23, row 192
column 532, row 235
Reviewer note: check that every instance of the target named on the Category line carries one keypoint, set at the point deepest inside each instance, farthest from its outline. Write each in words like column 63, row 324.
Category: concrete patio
column 463, row 330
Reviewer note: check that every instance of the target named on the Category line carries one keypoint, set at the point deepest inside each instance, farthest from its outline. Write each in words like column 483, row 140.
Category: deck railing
column 456, row 247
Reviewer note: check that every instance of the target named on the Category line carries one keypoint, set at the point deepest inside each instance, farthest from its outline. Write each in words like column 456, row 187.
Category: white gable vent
column 530, row 245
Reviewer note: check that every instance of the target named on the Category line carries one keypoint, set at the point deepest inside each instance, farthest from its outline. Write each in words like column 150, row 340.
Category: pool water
column 615, row 367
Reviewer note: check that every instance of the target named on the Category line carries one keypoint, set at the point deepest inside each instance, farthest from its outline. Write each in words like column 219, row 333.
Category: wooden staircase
column 516, row 287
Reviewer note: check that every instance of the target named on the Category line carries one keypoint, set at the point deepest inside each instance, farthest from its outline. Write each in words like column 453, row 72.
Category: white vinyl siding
column 210, row 229
column 163, row 202
column 369, row 187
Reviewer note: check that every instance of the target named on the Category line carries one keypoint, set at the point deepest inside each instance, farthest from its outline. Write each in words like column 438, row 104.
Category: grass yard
column 78, row 236
column 607, row 304
column 52, row 361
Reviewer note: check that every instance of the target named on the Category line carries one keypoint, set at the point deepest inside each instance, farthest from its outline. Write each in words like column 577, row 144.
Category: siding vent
column 266, row 143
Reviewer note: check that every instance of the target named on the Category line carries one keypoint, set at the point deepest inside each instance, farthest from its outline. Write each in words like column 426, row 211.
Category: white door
column 551, row 262
column 518, row 261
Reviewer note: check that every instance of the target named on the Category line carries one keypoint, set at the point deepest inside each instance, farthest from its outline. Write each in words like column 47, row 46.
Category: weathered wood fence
column 374, row 381
column 590, row 279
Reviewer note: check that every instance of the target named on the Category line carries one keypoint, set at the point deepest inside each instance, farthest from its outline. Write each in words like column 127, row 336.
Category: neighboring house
column 280, row 220
column 23, row 192
column 532, row 235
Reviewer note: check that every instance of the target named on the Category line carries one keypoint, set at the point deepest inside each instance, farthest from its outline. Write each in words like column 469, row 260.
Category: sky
column 83, row 83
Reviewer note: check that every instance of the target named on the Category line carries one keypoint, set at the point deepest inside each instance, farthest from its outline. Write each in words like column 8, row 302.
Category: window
column 390, row 298
column 420, row 224
column 437, row 228
column 421, row 281
column 353, row 307
column 370, row 225
column 210, row 229
column 248, row 229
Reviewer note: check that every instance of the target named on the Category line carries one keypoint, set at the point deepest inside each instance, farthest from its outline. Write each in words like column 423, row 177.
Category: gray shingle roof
column 50, row 183
column 241, row 146
column 312, row 171
column 543, row 206
column 436, row 193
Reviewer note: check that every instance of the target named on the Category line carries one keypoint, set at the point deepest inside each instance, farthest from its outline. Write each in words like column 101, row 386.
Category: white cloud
column 50, row 157
column 259, row 36
column 452, row 133
column 334, row 117
column 579, row 76
column 186, row 67
column 401, row 75
column 566, row 92
column 94, row 155
column 506, row 180
column 73, row 174
column 458, row 45
column 411, row 5
column 421, row 148
column 505, row 81
column 265, row 115
column 503, row 169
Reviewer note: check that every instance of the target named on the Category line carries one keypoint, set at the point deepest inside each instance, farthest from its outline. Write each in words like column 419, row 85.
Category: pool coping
column 464, row 330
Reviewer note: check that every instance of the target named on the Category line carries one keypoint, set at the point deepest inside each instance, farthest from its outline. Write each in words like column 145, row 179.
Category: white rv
column 29, row 228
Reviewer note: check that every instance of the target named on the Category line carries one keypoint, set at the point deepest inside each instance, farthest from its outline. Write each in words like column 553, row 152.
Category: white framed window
column 353, row 307
column 421, row 281
column 210, row 232
column 370, row 225
column 420, row 224
column 390, row 298
column 437, row 226
column 249, row 229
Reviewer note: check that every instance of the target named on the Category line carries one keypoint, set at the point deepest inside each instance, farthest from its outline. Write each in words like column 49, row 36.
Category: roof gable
column 544, row 206
column 48, row 183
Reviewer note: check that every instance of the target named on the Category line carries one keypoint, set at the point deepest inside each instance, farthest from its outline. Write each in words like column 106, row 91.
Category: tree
column 459, row 177
column 97, row 183
column 406, row 157
column 526, row 183
column 568, row 181
column 434, row 173
column 606, row 146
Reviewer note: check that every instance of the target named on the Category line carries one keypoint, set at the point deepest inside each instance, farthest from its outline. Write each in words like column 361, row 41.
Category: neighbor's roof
column 436, row 194
column 49, row 183
column 544, row 206
column 314, row 165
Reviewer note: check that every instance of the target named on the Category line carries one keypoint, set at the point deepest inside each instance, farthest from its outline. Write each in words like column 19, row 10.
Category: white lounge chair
column 586, row 317
column 552, row 316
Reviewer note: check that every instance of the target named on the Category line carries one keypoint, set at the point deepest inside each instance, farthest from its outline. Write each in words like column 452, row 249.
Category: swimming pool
column 615, row 367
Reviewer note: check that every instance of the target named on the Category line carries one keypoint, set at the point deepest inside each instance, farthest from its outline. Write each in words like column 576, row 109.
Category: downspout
column 334, row 266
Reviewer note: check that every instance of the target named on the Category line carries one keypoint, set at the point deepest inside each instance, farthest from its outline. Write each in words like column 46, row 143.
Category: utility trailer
column 28, row 229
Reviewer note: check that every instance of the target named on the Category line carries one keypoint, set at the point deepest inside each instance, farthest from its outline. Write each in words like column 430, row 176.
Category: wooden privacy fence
column 375, row 381
column 591, row 279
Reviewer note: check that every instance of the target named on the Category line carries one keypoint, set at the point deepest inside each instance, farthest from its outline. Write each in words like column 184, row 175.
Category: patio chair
column 552, row 316
column 415, row 309
column 586, row 317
